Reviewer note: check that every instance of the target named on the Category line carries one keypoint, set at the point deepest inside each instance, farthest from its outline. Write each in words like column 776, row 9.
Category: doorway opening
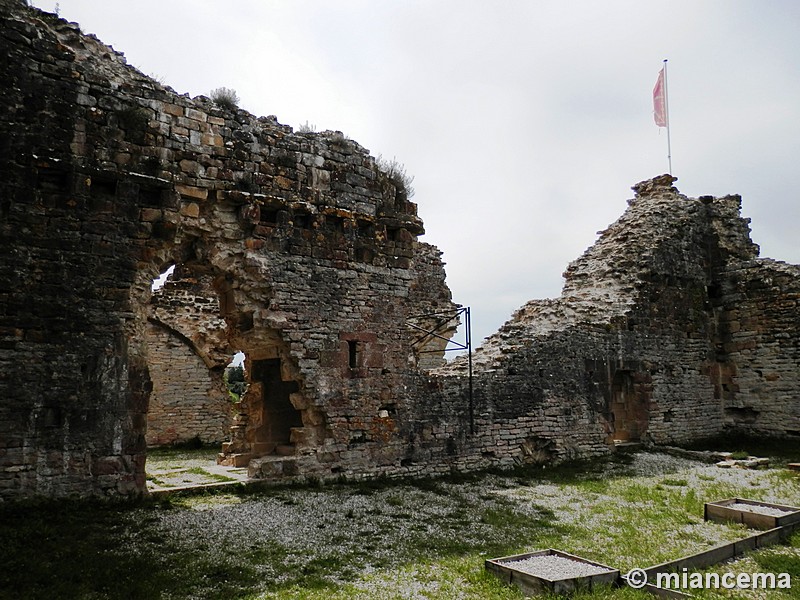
column 629, row 409
column 278, row 414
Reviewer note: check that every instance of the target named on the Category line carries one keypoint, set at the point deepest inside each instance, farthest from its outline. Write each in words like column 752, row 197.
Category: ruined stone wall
column 433, row 322
column 108, row 177
column 187, row 351
column 188, row 304
column 73, row 389
column 760, row 323
column 668, row 328
column 664, row 329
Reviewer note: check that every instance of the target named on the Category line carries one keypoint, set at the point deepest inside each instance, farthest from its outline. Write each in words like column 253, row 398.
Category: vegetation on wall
column 235, row 382
column 396, row 174
column 226, row 98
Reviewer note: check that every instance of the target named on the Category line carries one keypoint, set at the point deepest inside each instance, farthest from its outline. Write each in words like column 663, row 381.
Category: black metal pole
column 469, row 355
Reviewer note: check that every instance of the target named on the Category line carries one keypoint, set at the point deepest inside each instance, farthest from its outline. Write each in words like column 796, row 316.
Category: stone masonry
column 301, row 251
column 107, row 178
column 669, row 330
column 187, row 354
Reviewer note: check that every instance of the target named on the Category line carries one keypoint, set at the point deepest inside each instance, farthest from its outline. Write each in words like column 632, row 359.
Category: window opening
column 352, row 350
column 159, row 281
column 235, row 377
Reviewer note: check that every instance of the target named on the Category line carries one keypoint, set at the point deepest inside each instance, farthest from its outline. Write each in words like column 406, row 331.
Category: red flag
column 659, row 101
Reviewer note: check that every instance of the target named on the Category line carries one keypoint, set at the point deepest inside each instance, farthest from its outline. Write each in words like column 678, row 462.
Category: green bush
column 226, row 98
column 235, row 382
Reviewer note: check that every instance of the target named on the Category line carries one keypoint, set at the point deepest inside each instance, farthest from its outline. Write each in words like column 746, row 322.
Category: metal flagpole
column 666, row 114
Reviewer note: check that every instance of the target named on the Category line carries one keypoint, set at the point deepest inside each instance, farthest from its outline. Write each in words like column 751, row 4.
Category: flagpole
column 666, row 112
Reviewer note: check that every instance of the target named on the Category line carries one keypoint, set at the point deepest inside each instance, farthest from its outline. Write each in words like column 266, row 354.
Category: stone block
column 191, row 210
column 192, row 192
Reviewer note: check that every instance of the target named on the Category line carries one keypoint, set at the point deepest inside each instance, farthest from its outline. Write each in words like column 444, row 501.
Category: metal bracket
column 443, row 320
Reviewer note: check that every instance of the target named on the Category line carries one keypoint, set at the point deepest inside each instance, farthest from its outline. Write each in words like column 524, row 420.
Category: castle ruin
column 302, row 252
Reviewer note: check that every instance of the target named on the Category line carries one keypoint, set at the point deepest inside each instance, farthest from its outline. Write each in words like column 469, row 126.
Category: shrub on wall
column 225, row 97
column 395, row 172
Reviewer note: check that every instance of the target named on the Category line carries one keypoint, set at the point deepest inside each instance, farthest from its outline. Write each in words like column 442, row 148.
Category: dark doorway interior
column 279, row 415
column 628, row 410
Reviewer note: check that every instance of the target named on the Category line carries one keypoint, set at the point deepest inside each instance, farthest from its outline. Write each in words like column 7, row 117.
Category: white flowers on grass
column 375, row 542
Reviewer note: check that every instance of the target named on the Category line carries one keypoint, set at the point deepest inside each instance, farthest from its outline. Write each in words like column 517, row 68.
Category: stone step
column 285, row 449
column 234, row 460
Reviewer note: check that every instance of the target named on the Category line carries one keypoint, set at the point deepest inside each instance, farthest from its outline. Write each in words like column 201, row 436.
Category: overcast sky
column 524, row 123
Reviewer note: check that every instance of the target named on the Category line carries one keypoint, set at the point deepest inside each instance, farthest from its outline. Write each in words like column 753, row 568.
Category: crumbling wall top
column 656, row 185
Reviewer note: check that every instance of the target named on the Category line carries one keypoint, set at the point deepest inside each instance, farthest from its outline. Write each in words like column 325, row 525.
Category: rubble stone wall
column 760, row 304
column 107, row 178
column 669, row 330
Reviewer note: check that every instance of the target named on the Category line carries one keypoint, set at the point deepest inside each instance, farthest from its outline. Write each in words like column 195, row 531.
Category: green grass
column 213, row 476
column 780, row 451
column 427, row 538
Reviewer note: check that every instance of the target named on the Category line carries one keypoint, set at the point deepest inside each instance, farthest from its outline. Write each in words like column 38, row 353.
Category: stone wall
column 760, row 322
column 187, row 351
column 186, row 403
column 668, row 330
column 107, row 178
column 301, row 251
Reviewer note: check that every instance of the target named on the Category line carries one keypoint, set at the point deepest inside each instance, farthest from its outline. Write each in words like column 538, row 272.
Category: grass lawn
column 417, row 539
column 179, row 467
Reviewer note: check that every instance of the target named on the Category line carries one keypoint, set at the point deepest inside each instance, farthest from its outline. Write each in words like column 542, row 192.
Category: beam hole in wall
column 269, row 217
column 52, row 180
column 388, row 410
column 366, row 228
column 302, row 220
column 742, row 415
column 151, row 197
column 102, row 187
column 334, row 223
column 366, row 255
column 358, row 436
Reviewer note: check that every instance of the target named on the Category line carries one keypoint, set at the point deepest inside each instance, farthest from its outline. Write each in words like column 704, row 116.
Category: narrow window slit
column 352, row 350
